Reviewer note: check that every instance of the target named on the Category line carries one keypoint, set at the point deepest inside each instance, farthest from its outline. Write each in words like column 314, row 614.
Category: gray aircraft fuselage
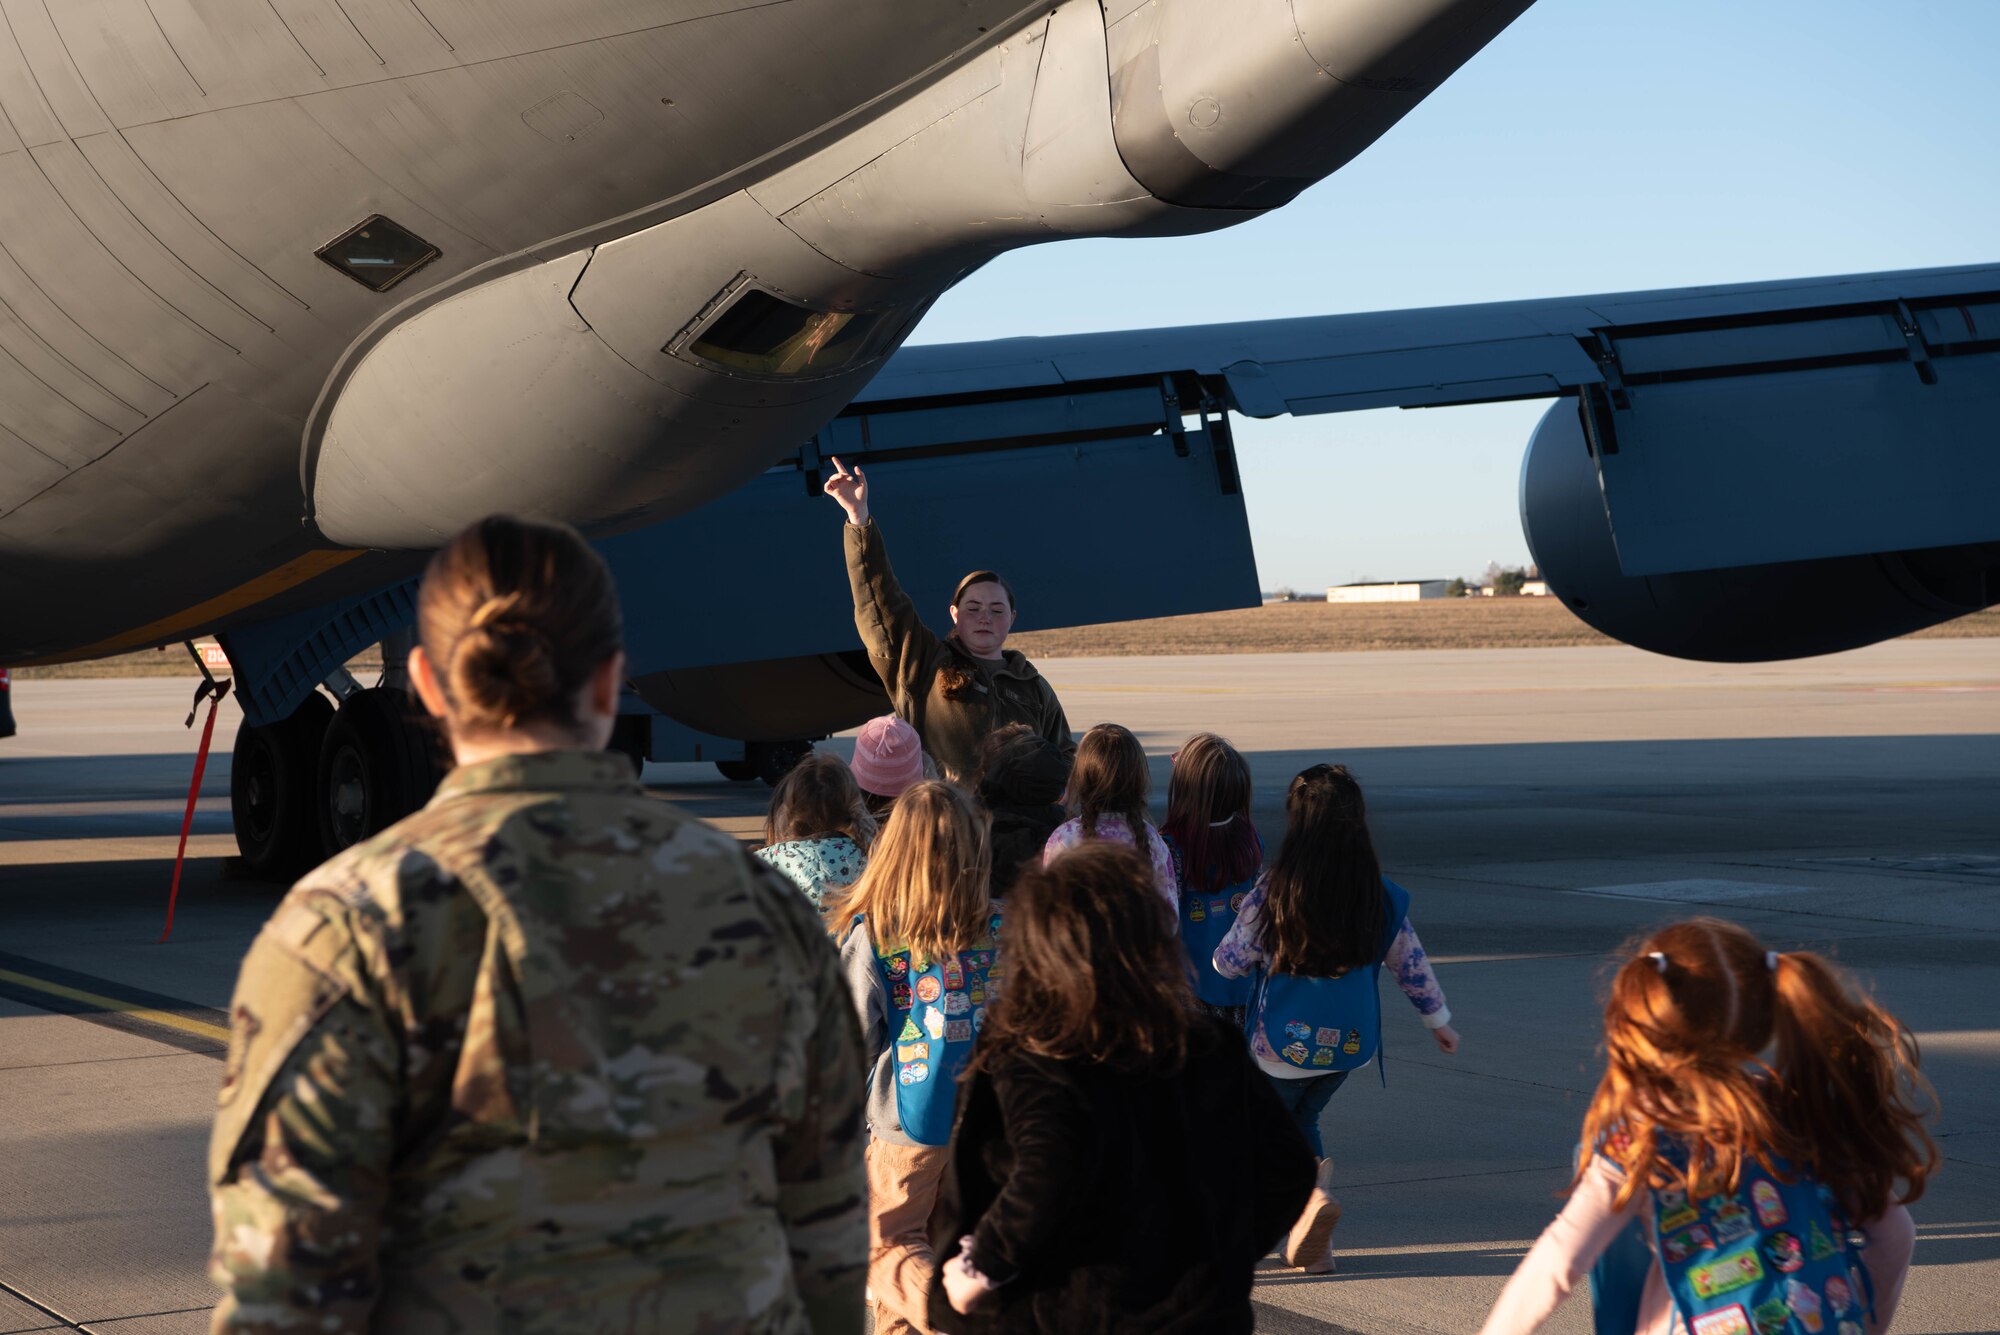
column 671, row 239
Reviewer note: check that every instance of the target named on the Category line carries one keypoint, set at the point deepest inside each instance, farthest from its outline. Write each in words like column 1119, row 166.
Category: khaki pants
column 903, row 1183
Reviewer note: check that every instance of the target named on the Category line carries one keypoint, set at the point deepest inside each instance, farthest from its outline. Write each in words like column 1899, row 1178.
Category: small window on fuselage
column 379, row 253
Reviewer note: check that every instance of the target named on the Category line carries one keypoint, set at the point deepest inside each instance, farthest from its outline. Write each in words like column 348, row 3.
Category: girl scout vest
column 937, row 1007
column 1772, row 1258
column 1206, row 917
column 1329, row 1024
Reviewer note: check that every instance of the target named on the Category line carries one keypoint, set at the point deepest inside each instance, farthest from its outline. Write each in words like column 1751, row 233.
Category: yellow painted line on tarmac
column 199, row 1028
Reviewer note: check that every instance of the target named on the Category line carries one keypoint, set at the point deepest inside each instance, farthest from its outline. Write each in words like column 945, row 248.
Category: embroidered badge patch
column 956, row 1003
column 1296, row 1054
column 1353, row 1043
column 897, row 966
column 1839, row 1296
column 929, row 988
column 1726, row 1275
column 1785, row 1252
column 1805, row 1306
column 958, row 1031
column 1772, row 1317
column 1197, row 911
column 1322, row 1056
column 913, row 1052
column 899, row 995
column 1327, row 1038
column 914, row 1073
column 1299, row 1030
column 1728, row 1321
column 934, row 1023
column 1770, row 1205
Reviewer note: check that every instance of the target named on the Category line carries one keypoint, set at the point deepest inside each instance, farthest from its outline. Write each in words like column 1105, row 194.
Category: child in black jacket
column 1119, row 1164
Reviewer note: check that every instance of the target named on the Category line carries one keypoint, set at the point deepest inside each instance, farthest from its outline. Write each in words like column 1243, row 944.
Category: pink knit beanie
column 887, row 756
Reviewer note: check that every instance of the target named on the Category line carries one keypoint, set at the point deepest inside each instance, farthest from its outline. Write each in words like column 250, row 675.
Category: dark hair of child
column 1324, row 904
column 816, row 799
column 1208, row 814
column 1094, row 966
column 1110, row 779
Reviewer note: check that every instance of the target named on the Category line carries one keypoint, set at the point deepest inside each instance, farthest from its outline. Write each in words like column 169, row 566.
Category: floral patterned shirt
column 818, row 865
column 1070, row 833
column 1243, row 951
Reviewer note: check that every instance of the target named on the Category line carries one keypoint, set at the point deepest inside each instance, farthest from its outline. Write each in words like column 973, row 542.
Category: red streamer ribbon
column 194, row 794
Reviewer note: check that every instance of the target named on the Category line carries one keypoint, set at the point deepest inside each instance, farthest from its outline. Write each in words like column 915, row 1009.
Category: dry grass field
column 1454, row 623
column 1280, row 628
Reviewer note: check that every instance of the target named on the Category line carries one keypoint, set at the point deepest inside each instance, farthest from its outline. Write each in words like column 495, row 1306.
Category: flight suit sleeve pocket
column 281, row 995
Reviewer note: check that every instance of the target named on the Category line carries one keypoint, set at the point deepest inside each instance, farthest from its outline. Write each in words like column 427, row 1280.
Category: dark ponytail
column 516, row 615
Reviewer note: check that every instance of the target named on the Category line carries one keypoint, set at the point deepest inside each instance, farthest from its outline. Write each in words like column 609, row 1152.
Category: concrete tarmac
column 1542, row 805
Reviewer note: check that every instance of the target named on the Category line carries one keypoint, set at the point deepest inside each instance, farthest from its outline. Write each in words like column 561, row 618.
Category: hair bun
column 503, row 672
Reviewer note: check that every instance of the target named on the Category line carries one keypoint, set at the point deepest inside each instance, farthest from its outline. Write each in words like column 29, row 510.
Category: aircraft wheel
column 380, row 762
column 774, row 760
column 273, row 774
column 737, row 771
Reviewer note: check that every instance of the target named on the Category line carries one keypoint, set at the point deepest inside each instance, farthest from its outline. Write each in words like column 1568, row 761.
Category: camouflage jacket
column 910, row 659
column 548, row 1055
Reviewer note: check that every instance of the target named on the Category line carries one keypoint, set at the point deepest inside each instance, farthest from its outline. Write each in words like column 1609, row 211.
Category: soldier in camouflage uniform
column 548, row 1055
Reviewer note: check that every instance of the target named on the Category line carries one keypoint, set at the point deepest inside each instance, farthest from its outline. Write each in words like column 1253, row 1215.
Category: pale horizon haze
column 1590, row 148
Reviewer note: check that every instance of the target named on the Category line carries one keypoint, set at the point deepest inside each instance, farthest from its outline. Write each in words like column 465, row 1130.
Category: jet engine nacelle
column 1742, row 614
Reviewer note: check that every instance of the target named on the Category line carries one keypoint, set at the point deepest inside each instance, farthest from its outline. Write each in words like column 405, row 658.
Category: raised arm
column 898, row 642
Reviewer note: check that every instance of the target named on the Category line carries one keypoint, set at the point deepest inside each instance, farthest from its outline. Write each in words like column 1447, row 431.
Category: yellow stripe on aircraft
column 178, row 626
column 199, row 1028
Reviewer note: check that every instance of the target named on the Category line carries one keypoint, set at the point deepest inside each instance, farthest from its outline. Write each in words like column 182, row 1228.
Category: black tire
column 6, row 704
column 273, row 780
column 737, row 771
column 774, row 760
column 381, row 760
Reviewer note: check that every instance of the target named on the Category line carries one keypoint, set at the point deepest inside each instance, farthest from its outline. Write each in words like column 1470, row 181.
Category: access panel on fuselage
column 1087, row 532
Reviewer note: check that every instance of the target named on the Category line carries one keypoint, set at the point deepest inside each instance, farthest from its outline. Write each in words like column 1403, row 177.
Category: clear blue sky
column 1594, row 147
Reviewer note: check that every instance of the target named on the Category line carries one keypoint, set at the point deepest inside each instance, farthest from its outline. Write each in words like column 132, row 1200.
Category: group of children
column 1037, row 1067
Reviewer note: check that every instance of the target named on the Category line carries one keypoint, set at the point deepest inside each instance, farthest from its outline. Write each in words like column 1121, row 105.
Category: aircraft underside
column 283, row 314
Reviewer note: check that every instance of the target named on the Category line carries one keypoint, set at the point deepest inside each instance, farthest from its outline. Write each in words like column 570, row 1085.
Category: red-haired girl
column 1757, row 1132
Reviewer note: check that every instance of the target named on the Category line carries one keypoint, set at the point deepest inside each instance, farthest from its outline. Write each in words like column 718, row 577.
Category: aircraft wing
column 1479, row 353
column 1729, row 426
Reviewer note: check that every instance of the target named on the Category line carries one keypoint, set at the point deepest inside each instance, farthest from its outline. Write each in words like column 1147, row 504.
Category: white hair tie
column 1771, row 960
column 1659, row 959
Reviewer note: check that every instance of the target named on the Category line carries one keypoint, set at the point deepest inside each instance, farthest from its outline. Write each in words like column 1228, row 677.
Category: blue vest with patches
column 937, row 1008
column 1771, row 1258
column 1206, row 917
column 1329, row 1024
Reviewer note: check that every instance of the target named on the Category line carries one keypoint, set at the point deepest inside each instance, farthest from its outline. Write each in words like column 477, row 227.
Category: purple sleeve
column 1242, row 948
column 1413, row 974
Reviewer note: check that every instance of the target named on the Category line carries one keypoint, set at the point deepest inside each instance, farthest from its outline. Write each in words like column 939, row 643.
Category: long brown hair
column 818, row 797
column 1208, row 814
column 1325, row 908
column 925, row 888
column 1842, row 1097
column 517, row 615
column 1094, row 968
column 1110, row 779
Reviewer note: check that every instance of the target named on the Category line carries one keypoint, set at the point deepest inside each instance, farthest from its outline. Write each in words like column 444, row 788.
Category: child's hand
column 1446, row 1038
column 964, row 1286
